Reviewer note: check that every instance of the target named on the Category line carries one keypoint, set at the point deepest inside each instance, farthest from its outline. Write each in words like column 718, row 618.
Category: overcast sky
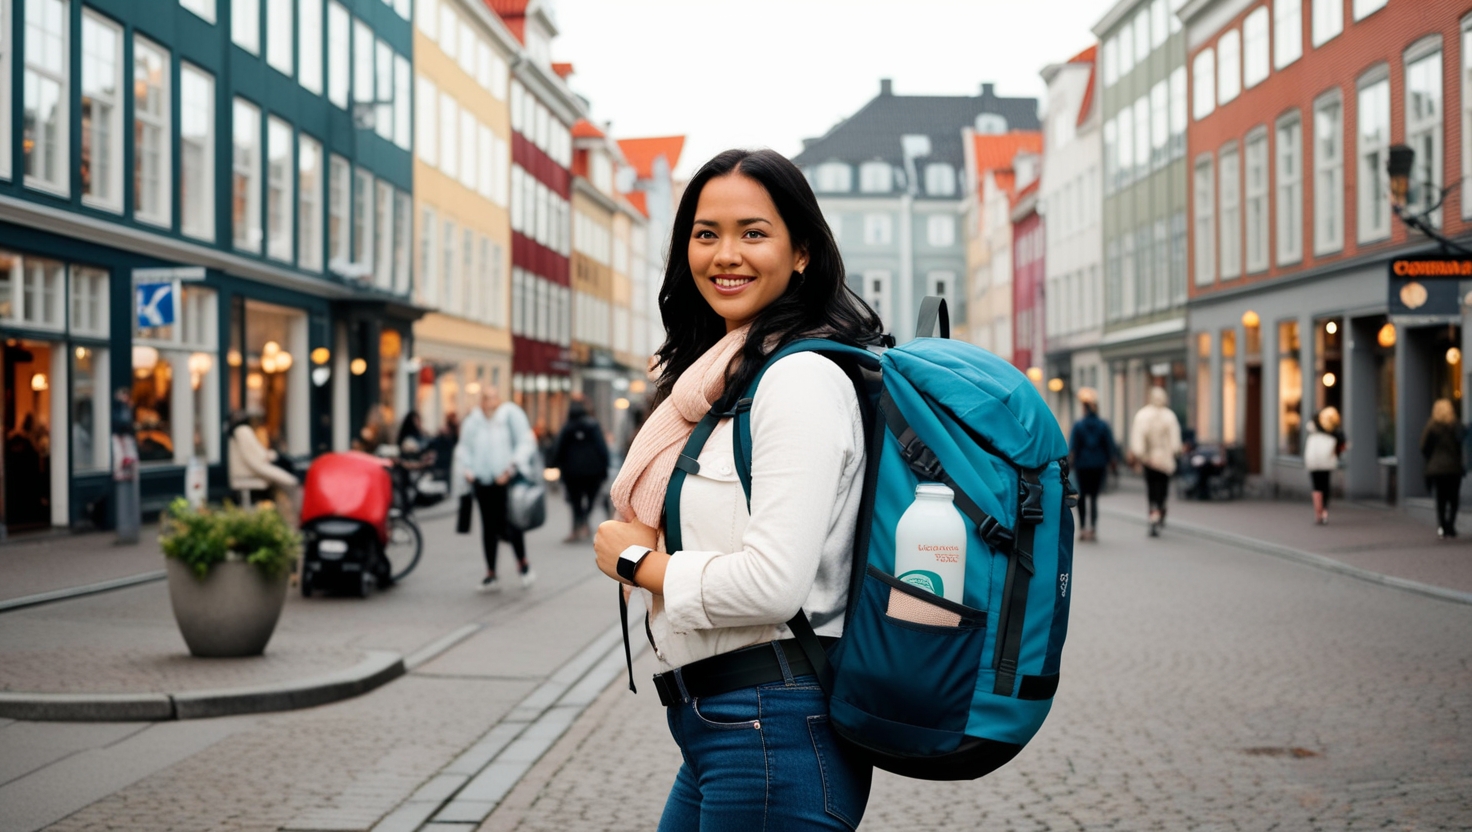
column 768, row 73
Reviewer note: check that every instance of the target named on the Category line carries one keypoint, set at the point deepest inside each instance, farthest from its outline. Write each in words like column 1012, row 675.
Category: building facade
column 1294, row 109
column 204, row 208
column 1143, row 108
column 652, row 191
column 1070, row 197
column 1029, row 276
column 993, row 162
column 890, row 180
column 462, row 196
column 595, row 209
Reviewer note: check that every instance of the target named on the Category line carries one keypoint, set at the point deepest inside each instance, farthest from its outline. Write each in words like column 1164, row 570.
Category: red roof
column 1088, row 56
column 1031, row 188
column 585, row 129
column 513, row 14
column 641, row 153
column 996, row 152
column 1085, row 57
column 640, row 201
column 562, row 70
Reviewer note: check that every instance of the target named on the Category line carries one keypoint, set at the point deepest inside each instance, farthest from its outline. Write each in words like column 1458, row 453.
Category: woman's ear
column 800, row 263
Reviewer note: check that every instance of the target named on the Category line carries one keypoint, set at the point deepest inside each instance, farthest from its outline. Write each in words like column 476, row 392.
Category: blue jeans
column 763, row 758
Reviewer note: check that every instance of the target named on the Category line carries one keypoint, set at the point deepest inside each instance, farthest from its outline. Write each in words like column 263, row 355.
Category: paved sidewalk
column 33, row 565
column 1374, row 539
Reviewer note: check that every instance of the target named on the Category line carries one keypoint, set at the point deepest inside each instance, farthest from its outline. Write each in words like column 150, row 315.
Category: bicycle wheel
column 405, row 542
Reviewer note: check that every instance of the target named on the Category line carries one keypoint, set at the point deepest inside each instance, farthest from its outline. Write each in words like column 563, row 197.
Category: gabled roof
column 997, row 152
column 585, row 129
column 874, row 131
column 641, row 153
column 513, row 14
column 640, row 201
column 563, row 70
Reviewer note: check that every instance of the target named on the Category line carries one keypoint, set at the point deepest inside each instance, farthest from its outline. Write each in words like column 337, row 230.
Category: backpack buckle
column 923, row 461
column 1032, row 501
column 996, row 535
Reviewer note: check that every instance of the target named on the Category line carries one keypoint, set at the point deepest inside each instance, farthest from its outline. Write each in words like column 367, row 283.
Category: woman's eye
column 753, row 234
column 705, row 235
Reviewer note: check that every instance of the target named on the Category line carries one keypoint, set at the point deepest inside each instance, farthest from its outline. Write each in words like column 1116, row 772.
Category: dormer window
column 834, row 178
column 991, row 124
column 876, row 178
column 940, row 179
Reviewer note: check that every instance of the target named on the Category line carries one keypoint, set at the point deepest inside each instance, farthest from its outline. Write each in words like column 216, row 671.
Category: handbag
column 462, row 519
column 526, row 498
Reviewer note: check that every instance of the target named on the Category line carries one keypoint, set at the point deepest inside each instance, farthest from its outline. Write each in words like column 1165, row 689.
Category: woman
column 254, row 467
column 1441, row 445
column 581, row 454
column 1155, row 441
column 752, row 266
column 1092, row 451
column 1321, row 452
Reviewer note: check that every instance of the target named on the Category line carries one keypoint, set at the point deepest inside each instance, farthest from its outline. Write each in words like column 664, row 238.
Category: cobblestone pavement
column 47, row 562
column 1203, row 688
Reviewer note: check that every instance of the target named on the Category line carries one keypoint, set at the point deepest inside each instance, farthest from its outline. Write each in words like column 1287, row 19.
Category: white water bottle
column 930, row 543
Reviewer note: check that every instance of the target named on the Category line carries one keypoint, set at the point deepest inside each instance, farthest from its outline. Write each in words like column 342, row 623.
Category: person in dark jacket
column 1091, row 449
column 581, row 454
column 1441, row 445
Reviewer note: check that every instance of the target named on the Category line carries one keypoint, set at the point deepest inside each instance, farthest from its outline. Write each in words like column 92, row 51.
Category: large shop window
column 175, row 393
column 1229, row 386
column 268, row 372
column 1290, row 391
column 1203, row 385
column 1328, row 364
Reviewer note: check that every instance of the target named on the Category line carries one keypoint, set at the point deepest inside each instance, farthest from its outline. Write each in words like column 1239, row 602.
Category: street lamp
column 1399, row 163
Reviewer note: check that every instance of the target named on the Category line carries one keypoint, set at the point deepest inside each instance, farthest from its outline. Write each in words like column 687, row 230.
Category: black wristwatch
column 629, row 560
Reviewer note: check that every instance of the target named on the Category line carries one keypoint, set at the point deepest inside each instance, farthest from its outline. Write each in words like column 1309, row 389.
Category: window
column 1204, row 87
column 1255, row 45
column 1142, row 135
column 426, row 121
column 1229, row 66
column 1126, row 49
column 383, row 235
column 875, row 178
column 1374, row 142
column 1159, row 28
column 339, row 82
column 1329, row 341
column 1290, row 190
column 46, row 96
column 450, row 295
column 1178, row 257
column 1112, row 280
column 91, row 450
column 403, row 218
column 31, row 291
column 1125, row 155
column 403, row 115
column 196, row 152
column 309, row 203
column 1159, row 122
column 1179, row 115
column 279, row 35
column 362, row 63
column 1142, row 35
column 876, row 292
column 245, row 220
column 401, row 8
column 1290, row 390
column 1328, row 174
column 1288, row 28
column 339, row 198
column 88, row 302
column 518, row 198
column 834, row 177
column 1127, row 276
column 449, row 26
column 363, row 222
column 877, row 229
column 449, row 135
column 102, row 112
column 940, row 179
column 1204, row 223
column 1328, row 20
column 1229, row 385
column 1256, row 169
column 1423, row 129
column 245, row 25
column 940, row 230
column 1230, row 191
column 469, row 159
column 1111, row 61
column 151, row 139
column 203, row 8
column 1365, row 8
column 279, row 167
column 428, row 286
column 309, row 48
column 1203, row 384
column 383, row 73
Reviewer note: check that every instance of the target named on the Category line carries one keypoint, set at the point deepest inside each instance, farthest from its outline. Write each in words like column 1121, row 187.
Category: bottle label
column 926, row 580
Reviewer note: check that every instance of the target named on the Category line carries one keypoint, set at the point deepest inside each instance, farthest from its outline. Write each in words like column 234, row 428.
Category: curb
column 78, row 591
column 1300, row 556
column 377, row 668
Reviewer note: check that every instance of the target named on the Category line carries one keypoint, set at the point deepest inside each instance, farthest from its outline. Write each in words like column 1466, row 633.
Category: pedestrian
column 1441, row 445
column 254, row 467
column 497, row 445
column 1321, row 452
column 1155, row 440
column 753, row 267
column 1092, row 452
column 581, row 455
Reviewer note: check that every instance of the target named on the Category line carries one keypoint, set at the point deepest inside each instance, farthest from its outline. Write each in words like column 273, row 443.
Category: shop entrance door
column 1252, row 431
column 26, row 419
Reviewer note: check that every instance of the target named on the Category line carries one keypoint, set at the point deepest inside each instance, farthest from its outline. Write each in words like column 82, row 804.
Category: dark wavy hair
column 817, row 301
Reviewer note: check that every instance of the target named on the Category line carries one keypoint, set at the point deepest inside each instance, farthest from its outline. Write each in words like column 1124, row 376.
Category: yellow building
column 462, row 173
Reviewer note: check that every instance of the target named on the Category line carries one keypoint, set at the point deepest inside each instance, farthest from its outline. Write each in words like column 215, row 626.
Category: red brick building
column 1294, row 105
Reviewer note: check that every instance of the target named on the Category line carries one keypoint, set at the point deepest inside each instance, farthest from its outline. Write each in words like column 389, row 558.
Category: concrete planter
column 232, row 612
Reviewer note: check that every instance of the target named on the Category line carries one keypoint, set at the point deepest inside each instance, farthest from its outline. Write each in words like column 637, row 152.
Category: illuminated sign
column 1427, row 287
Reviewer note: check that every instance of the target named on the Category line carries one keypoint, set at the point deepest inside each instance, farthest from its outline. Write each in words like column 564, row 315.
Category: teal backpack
column 918, row 685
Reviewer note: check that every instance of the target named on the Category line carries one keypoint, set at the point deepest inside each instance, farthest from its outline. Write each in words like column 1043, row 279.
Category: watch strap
column 629, row 560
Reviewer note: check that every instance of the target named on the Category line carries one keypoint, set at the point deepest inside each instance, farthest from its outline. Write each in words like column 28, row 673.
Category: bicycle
column 405, row 543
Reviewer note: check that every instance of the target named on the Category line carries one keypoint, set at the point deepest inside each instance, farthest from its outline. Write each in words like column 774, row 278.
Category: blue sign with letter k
column 155, row 304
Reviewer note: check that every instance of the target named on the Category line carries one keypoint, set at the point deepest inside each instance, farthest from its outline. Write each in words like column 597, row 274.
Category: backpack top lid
column 992, row 398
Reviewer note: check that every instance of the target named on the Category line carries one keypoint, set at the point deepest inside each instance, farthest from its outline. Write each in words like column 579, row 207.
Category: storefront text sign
column 1427, row 287
column 155, row 304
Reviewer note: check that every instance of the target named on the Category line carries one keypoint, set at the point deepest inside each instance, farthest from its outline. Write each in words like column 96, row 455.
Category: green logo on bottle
column 928, row 581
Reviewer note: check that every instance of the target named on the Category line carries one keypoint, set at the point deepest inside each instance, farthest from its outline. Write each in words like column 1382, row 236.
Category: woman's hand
column 613, row 537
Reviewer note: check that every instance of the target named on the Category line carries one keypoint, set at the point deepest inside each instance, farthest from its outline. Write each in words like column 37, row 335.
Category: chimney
column 986, row 90
column 886, row 87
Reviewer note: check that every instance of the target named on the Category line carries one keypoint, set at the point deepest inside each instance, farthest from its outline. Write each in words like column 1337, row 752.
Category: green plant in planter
column 201, row 538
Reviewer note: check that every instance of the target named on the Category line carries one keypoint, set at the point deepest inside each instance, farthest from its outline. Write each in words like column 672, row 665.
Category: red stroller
column 346, row 507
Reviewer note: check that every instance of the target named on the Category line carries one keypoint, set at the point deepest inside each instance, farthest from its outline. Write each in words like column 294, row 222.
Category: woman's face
column 741, row 253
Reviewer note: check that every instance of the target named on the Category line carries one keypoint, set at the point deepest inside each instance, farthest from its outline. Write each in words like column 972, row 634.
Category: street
column 1205, row 687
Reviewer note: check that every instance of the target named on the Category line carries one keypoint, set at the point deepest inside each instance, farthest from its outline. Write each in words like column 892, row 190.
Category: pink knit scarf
column 639, row 489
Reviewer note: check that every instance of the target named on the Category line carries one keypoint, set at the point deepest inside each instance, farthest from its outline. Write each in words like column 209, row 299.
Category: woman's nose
column 728, row 254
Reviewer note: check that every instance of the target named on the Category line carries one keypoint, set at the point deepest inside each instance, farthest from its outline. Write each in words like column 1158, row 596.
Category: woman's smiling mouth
column 730, row 284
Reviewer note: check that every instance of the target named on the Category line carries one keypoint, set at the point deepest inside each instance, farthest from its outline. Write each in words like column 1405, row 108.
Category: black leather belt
column 758, row 664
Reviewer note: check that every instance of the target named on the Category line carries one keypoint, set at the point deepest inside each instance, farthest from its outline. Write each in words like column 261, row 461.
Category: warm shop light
column 321, row 355
column 270, row 348
column 620, row 404
column 200, row 363
column 145, row 358
column 1329, row 380
column 1331, row 327
column 233, row 358
column 283, row 361
column 268, row 363
column 1250, row 319
column 255, row 381
column 1035, row 374
column 637, row 386
column 358, row 367
column 1386, row 336
column 82, row 353
column 472, row 389
column 1454, row 356
column 1055, row 384
column 39, row 383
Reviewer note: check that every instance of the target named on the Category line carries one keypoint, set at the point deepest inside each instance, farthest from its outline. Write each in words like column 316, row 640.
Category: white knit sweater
column 740, row 576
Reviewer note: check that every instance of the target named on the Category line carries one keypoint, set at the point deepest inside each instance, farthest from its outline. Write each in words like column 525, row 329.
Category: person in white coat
column 253, row 466
column 497, row 444
column 1155, row 442
column 1321, row 452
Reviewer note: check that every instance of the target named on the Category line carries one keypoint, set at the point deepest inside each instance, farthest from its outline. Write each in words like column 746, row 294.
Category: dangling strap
column 932, row 311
